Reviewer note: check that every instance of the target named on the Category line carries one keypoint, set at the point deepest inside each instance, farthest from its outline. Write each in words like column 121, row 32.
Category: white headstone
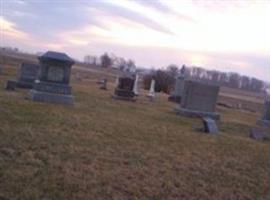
column 117, row 82
column 152, row 89
column 135, row 87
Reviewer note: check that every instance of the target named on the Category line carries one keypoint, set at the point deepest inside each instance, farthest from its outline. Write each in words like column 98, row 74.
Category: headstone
column 257, row 134
column 177, row 93
column 265, row 119
column 28, row 73
column 152, row 93
column 116, row 82
column 124, row 88
column 135, row 88
column 52, row 85
column 103, row 84
column 210, row 126
column 11, row 85
column 78, row 77
column 199, row 100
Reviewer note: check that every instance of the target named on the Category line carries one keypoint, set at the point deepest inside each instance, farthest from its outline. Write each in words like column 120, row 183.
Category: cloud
column 9, row 29
column 20, row 2
column 17, row 13
column 114, row 9
column 223, row 35
column 165, row 9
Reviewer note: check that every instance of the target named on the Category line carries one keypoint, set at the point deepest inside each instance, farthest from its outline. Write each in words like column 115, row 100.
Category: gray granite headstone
column 177, row 93
column 257, row 134
column 103, row 85
column 52, row 85
column 28, row 73
column 210, row 126
column 11, row 85
column 199, row 100
column 265, row 119
column 124, row 89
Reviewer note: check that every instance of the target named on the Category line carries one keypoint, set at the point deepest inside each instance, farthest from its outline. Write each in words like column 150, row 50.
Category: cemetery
column 101, row 148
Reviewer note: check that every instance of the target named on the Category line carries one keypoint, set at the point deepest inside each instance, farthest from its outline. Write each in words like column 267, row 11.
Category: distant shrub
column 164, row 80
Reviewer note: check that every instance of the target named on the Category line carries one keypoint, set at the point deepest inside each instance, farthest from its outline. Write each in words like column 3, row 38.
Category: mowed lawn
column 106, row 149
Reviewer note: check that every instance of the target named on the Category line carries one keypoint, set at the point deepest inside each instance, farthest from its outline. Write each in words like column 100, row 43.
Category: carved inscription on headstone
column 55, row 74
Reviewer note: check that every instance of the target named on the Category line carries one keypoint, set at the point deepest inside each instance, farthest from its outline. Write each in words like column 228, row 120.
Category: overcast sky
column 228, row 35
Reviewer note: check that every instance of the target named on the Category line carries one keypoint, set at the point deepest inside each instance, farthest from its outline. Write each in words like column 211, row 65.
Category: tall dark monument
column 52, row 85
column 124, row 88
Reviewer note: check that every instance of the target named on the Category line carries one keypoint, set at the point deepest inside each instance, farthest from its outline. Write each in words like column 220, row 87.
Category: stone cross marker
column 53, row 81
column 199, row 100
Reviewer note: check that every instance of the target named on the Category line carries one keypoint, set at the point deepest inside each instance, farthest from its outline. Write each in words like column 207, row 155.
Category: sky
column 225, row 35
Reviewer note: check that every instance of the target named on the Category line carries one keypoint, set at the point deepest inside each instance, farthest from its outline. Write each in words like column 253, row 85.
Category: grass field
column 106, row 149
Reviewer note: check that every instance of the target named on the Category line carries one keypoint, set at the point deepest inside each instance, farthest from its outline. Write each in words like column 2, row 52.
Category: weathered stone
column 266, row 114
column 257, row 134
column 51, row 97
column 136, row 85
column 199, row 100
column 265, row 123
column 52, row 85
column 210, row 126
column 176, row 94
column 152, row 94
column 11, row 85
column 104, row 84
column 265, row 119
column 28, row 73
column 124, row 89
column 53, row 88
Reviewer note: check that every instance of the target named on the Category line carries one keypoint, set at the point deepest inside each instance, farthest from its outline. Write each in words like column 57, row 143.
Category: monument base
column 123, row 98
column 35, row 95
column 23, row 84
column 12, row 84
column 124, row 93
column 264, row 123
column 176, row 99
column 195, row 113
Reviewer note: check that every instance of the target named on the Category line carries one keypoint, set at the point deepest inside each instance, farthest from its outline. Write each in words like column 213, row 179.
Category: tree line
column 111, row 60
column 165, row 79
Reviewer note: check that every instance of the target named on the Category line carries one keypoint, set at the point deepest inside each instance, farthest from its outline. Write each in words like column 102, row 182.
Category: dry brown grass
column 108, row 149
